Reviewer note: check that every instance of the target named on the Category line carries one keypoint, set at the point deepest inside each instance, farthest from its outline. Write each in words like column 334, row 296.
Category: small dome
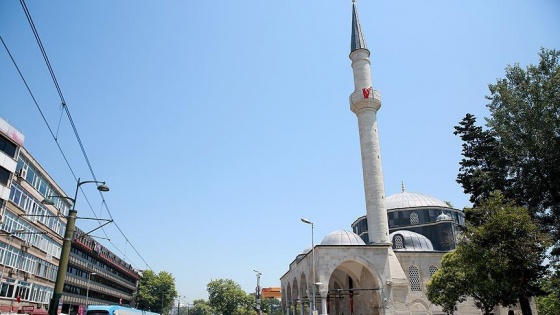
column 342, row 237
column 307, row 250
column 443, row 217
column 410, row 241
column 413, row 200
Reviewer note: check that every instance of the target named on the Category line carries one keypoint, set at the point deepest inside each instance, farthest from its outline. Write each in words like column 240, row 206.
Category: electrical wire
column 65, row 106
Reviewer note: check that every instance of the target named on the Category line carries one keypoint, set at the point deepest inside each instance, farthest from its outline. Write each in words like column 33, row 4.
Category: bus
column 115, row 310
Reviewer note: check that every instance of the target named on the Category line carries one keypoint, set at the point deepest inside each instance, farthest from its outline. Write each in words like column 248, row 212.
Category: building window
column 433, row 270
column 414, row 218
column 7, row 147
column 414, row 277
column 4, row 176
column 398, row 241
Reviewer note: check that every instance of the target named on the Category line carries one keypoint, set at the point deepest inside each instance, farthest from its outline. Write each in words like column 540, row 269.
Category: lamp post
column 258, row 291
column 312, row 258
column 179, row 304
column 87, row 289
column 55, row 305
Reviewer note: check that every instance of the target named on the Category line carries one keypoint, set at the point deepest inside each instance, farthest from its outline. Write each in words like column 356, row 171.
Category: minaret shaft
column 361, row 69
column 365, row 102
column 374, row 188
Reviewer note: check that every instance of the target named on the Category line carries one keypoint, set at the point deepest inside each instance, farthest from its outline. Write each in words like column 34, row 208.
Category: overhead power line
column 75, row 130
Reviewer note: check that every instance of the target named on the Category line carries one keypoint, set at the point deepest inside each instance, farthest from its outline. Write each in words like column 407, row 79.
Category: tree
column 549, row 304
column 271, row 306
column 226, row 297
column 498, row 261
column 483, row 167
column 200, row 307
column 247, row 306
column 156, row 292
column 525, row 116
column 513, row 248
column 518, row 152
column 446, row 287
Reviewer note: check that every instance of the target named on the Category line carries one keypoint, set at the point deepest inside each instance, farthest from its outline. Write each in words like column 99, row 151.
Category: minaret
column 365, row 102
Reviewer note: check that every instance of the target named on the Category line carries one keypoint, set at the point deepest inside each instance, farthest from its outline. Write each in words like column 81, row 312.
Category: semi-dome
column 413, row 200
column 409, row 241
column 342, row 237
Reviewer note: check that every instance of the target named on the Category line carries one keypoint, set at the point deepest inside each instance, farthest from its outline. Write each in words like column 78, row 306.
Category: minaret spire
column 365, row 102
column 358, row 39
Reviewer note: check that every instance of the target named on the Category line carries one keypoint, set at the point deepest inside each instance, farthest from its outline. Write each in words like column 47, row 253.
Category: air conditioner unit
column 21, row 173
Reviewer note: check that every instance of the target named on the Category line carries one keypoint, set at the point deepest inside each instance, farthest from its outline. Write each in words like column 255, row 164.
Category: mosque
column 383, row 265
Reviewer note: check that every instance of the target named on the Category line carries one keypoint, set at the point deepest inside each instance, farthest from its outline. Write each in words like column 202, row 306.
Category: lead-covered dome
column 342, row 237
column 413, row 200
column 409, row 241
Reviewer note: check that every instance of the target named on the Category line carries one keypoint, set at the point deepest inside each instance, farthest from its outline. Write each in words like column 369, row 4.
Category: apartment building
column 31, row 242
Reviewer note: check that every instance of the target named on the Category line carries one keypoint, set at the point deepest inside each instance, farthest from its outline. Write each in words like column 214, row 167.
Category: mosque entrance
column 354, row 290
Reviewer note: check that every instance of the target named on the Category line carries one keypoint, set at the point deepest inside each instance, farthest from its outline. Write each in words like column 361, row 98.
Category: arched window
column 433, row 270
column 398, row 241
column 414, row 218
column 414, row 276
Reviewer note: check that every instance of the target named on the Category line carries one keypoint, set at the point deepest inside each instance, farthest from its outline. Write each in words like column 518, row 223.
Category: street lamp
column 258, row 274
column 56, row 300
column 87, row 289
column 313, row 258
column 179, row 304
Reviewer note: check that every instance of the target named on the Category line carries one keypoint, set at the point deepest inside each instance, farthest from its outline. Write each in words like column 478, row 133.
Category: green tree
column 498, row 261
column 446, row 287
column 156, row 292
column 483, row 167
column 549, row 303
column 200, row 307
column 518, row 152
column 271, row 306
column 247, row 305
column 525, row 117
column 226, row 297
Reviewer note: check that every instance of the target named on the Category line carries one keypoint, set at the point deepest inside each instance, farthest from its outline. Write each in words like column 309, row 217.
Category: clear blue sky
column 219, row 124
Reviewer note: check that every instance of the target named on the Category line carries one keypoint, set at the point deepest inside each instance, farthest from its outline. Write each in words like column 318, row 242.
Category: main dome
column 413, row 200
column 342, row 237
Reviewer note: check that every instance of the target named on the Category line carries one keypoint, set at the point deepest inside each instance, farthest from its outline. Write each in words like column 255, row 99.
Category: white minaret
column 365, row 102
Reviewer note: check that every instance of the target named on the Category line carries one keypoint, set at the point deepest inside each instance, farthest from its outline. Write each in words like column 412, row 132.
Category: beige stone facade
column 383, row 266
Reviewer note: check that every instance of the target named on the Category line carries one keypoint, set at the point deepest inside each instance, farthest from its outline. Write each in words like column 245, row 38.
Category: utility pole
column 258, row 292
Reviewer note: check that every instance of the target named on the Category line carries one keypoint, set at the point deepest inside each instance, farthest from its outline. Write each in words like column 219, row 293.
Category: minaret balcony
column 365, row 98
